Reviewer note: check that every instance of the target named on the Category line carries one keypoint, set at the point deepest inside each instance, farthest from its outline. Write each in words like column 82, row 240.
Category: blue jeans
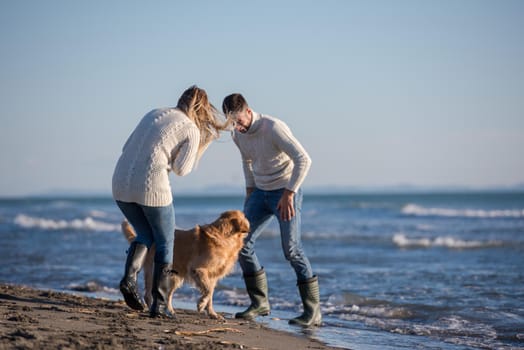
column 259, row 208
column 152, row 225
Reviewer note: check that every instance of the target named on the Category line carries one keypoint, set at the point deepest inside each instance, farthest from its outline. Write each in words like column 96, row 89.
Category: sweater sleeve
column 185, row 153
column 247, row 166
column 286, row 142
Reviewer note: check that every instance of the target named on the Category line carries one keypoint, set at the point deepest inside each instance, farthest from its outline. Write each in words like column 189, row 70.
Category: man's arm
column 287, row 143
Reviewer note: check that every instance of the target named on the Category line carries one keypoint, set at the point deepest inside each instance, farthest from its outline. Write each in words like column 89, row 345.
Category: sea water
column 397, row 271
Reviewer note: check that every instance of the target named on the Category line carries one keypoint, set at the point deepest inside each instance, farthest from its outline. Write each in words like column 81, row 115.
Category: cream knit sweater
column 272, row 157
column 164, row 140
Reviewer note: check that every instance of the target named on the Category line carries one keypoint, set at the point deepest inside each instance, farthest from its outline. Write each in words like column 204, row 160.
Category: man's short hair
column 234, row 103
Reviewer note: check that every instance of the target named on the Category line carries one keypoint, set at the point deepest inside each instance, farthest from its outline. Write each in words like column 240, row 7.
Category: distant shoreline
column 316, row 191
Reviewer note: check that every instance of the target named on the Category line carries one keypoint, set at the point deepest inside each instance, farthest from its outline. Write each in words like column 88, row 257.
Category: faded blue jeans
column 259, row 208
column 152, row 225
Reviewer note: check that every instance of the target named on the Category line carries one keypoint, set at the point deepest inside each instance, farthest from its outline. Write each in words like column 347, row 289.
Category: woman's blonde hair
column 195, row 104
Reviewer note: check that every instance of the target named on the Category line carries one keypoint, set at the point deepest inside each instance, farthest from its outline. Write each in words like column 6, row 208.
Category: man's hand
column 285, row 205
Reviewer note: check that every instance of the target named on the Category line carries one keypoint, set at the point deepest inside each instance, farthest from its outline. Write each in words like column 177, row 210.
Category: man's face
column 242, row 120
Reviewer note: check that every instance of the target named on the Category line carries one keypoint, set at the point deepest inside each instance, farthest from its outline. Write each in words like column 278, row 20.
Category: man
column 275, row 165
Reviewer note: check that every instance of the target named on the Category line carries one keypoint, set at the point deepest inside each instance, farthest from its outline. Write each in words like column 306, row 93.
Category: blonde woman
column 166, row 139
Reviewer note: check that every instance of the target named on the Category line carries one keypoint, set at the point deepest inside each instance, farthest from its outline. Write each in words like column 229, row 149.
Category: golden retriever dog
column 201, row 256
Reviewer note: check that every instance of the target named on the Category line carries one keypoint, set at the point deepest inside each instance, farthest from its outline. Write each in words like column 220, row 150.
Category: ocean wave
column 91, row 287
column 416, row 210
column 378, row 311
column 402, row 241
column 98, row 214
column 413, row 319
column 348, row 303
column 451, row 329
column 456, row 330
column 88, row 224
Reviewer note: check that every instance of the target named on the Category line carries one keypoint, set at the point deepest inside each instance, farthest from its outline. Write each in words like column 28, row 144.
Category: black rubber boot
column 257, row 290
column 128, row 285
column 162, row 285
column 310, row 295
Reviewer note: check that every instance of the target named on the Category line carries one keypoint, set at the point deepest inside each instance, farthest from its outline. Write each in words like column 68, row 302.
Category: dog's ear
column 235, row 225
column 239, row 225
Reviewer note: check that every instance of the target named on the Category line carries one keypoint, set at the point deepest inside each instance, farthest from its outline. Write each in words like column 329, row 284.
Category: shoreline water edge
column 40, row 319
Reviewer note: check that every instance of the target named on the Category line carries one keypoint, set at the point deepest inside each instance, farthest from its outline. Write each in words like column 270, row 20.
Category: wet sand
column 39, row 319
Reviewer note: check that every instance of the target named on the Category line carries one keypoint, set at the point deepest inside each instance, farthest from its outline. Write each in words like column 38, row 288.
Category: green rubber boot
column 128, row 285
column 256, row 286
column 310, row 295
column 162, row 285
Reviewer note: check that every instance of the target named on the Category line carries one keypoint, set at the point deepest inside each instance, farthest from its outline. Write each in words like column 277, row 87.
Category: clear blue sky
column 380, row 93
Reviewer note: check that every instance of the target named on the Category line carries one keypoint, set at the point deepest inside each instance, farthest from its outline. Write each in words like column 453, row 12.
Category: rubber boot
column 256, row 286
column 162, row 285
column 310, row 295
column 128, row 285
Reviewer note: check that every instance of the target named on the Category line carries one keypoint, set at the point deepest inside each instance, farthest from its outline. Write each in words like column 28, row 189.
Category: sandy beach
column 40, row 319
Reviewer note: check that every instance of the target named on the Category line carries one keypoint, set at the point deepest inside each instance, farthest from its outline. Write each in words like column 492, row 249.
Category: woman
column 166, row 139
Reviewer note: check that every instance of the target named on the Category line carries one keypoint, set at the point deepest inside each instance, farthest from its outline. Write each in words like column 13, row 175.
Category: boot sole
column 131, row 300
column 240, row 316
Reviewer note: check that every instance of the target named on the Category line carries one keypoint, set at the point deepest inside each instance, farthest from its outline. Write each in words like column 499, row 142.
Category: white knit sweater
column 165, row 139
column 272, row 157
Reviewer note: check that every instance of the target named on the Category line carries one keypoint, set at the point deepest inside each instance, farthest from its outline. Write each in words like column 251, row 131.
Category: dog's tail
column 128, row 231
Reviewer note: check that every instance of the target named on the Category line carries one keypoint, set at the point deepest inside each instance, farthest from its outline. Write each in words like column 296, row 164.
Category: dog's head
column 236, row 220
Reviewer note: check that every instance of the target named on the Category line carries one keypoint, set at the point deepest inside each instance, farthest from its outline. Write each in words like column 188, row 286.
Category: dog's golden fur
column 201, row 256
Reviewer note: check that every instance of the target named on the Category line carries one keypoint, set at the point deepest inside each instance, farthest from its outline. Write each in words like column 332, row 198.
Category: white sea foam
column 92, row 287
column 383, row 311
column 453, row 329
column 87, row 223
column 98, row 214
column 459, row 331
column 417, row 210
column 402, row 241
column 233, row 297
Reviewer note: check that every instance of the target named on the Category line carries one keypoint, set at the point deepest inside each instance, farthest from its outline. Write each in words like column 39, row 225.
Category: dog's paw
column 201, row 308
column 216, row 316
